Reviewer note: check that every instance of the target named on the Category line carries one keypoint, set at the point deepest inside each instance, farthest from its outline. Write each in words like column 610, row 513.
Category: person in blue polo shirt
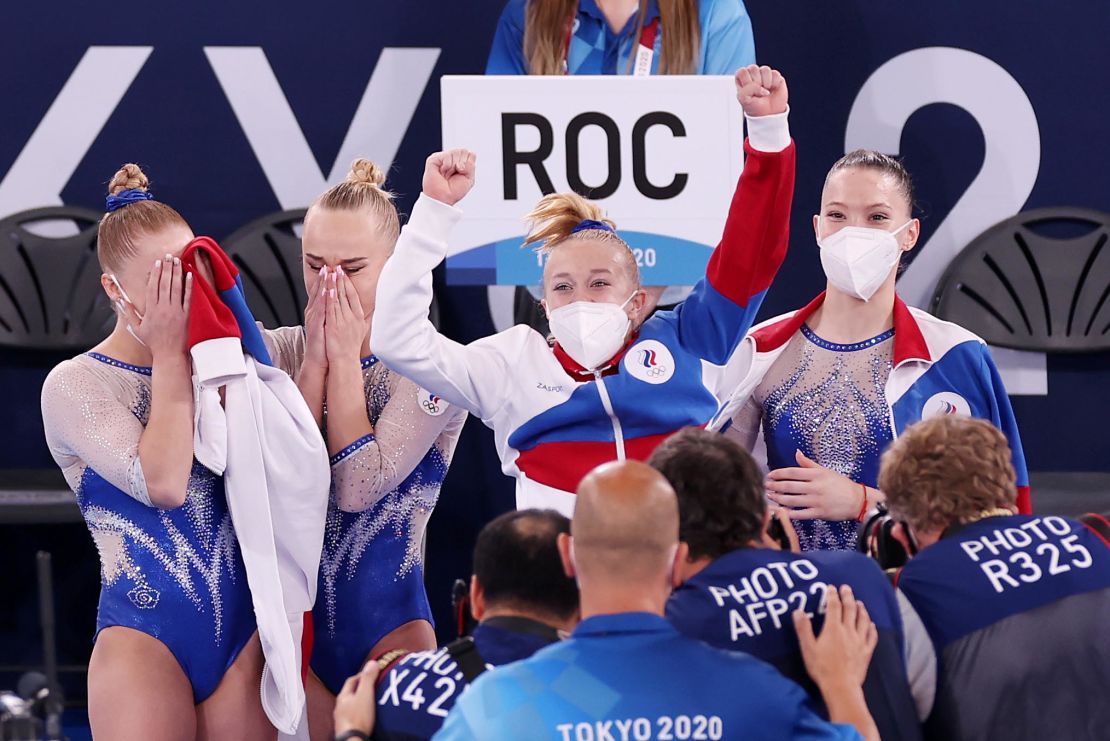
column 620, row 37
column 1017, row 606
column 615, row 37
column 627, row 673
column 738, row 587
column 523, row 601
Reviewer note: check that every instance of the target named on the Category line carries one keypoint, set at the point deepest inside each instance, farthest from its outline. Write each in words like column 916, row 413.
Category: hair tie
column 126, row 198
column 585, row 224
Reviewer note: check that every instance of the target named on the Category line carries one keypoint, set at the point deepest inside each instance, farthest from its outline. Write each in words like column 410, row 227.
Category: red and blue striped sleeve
column 1003, row 418
column 722, row 307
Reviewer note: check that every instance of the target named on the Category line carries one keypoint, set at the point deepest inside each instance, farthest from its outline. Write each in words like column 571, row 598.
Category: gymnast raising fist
column 613, row 383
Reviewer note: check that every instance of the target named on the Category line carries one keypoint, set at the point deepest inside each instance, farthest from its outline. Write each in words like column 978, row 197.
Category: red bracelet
column 863, row 505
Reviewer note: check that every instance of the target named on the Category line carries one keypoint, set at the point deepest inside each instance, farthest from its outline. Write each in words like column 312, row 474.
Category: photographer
column 738, row 585
column 522, row 600
column 627, row 673
column 1016, row 605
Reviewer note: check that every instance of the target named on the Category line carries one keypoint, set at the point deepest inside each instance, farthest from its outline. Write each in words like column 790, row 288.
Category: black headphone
column 877, row 541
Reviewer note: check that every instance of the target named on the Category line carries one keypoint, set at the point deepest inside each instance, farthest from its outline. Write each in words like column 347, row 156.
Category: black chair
column 51, row 303
column 1015, row 286
column 267, row 252
column 50, row 293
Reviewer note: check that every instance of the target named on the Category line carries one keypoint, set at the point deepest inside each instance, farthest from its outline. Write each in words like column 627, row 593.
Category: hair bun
column 365, row 171
column 557, row 215
column 128, row 177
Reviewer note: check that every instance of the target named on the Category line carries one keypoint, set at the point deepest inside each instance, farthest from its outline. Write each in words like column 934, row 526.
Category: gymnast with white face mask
column 830, row 385
column 613, row 385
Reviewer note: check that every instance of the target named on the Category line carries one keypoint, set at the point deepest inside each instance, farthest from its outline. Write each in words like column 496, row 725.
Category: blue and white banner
column 660, row 155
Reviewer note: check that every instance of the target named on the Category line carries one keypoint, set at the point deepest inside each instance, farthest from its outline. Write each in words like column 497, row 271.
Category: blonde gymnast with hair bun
column 390, row 443
column 614, row 384
column 176, row 654
column 623, row 37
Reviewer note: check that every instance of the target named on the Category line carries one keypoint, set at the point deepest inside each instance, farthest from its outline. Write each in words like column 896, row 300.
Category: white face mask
column 858, row 259
column 128, row 300
column 590, row 332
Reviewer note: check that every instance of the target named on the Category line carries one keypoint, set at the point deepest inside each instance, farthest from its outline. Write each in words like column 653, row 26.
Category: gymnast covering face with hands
column 175, row 626
column 390, row 443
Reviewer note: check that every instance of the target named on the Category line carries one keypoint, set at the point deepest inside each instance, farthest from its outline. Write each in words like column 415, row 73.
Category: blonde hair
column 545, row 35
column 948, row 470
column 362, row 190
column 119, row 229
column 554, row 218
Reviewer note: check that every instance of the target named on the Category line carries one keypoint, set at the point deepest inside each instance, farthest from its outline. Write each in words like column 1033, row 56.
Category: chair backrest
column 1020, row 284
column 267, row 252
column 50, row 293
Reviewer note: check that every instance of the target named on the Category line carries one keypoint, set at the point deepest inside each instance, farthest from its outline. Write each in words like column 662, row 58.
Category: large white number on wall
column 938, row 74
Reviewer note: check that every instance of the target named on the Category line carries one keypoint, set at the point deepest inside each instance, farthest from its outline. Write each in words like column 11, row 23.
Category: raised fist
column 761, row 90
column 448, row 176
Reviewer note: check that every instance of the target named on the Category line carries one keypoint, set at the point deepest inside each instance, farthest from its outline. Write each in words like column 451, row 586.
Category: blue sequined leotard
column 174, row 574
column 384, row 488
column 827, row 400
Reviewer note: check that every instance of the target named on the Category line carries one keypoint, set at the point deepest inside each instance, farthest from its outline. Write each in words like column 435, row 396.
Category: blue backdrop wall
column 76, row 106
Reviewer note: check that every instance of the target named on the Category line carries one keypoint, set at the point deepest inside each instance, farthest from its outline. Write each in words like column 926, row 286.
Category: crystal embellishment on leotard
column 144, row 597
column 853, row 347
column 175, row 573
column 144, row 369
column 401, row 513
column 116, row 536
column 405, row 510
column 833, row 406
column 141, row 406
column 347, row 451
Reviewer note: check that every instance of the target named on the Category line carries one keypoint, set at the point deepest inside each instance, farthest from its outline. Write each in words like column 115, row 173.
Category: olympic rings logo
column 431, row 404
column 650, row 361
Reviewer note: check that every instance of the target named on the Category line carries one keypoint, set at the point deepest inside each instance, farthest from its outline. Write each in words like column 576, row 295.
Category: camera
column 777, row 533
column 32, row 712
column 876, row 540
